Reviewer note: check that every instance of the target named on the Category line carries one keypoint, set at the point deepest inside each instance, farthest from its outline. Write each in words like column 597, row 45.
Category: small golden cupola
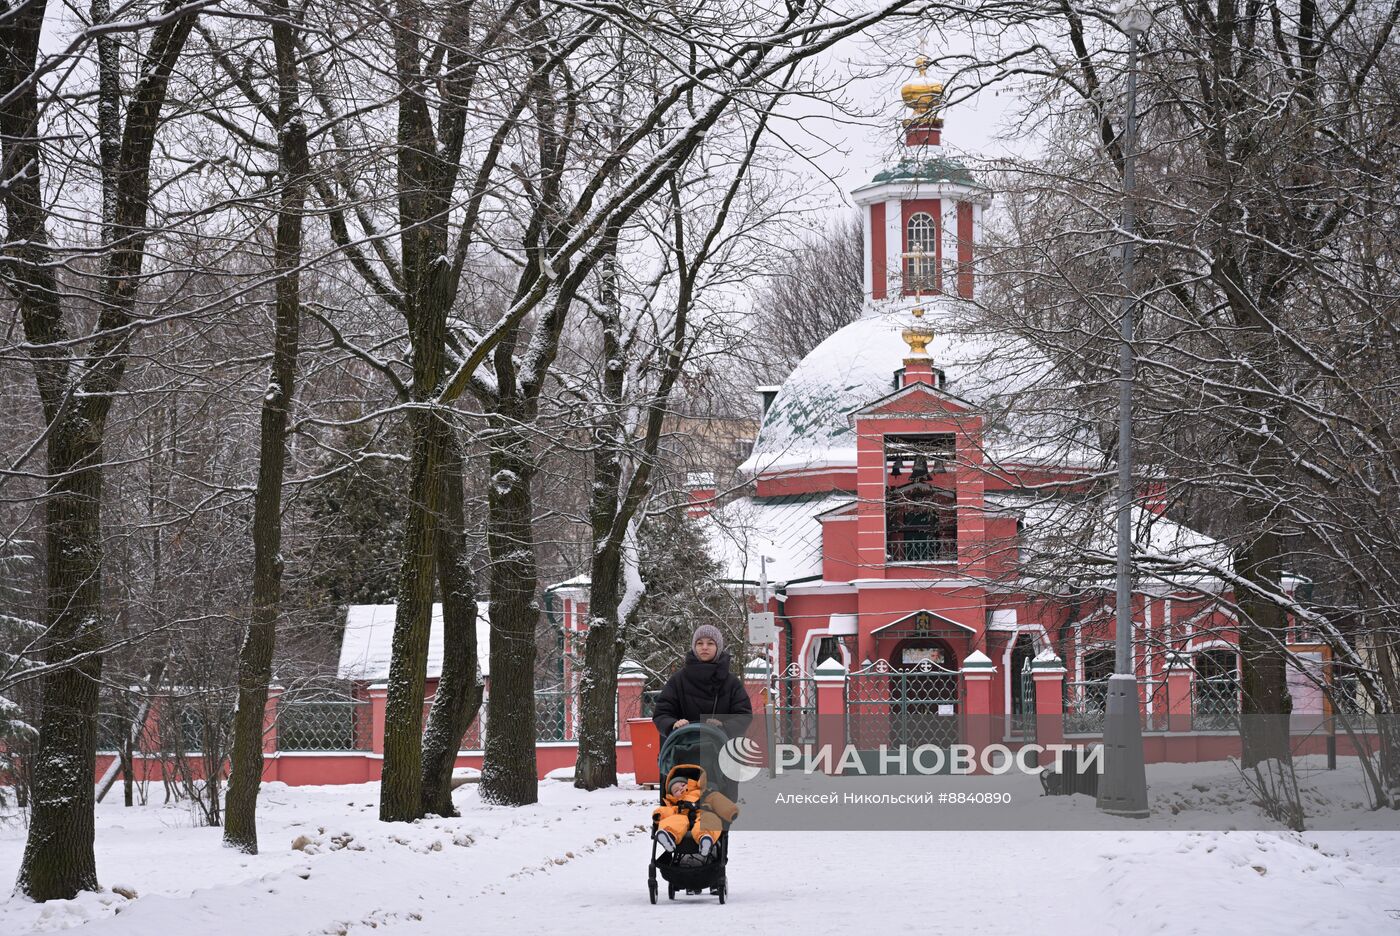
column 918, row 334
column 918, row 366
column 924, row 97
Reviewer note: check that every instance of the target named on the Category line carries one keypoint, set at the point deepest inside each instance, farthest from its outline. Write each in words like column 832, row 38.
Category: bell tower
column 923, row 215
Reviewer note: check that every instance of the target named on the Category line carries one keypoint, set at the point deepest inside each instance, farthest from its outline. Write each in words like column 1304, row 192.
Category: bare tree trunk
column 75, row 391
column 259, row 644
column 614, row 506
column 458, row 697
column 128, row 781
column 1263, row 636
column 602, row 655
column 508, row 775
column 425, row 180
column 1265, row 705
column 596, row 766
column 58, row 856
column 400, row 795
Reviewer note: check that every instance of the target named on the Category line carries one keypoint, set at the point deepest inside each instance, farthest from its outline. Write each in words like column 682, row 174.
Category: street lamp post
column 1123, row 786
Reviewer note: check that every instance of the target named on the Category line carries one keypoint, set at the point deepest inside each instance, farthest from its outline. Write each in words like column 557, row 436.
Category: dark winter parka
column 700, row 691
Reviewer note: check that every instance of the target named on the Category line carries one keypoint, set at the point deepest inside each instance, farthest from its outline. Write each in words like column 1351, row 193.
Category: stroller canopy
column 700, row 745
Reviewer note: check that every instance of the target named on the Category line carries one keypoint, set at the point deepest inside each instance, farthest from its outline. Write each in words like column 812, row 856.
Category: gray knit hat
column 710, row 631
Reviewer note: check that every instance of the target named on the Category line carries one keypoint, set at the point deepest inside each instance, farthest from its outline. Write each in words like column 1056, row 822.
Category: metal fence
column 556, row 715
column 1156, row 705
column 926, row 549
column 198, row 724
column 794, row 706
column 475, row 738
column 323, row 725
column 1085, row 705
column 1215, row 704
column 113, row 732
column 170, row 724
column 310, row 725
column 1346, row 695
column 888, row 706
column 1022, row 724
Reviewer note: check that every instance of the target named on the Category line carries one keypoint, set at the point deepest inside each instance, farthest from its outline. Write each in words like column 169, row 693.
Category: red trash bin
column 646, row 748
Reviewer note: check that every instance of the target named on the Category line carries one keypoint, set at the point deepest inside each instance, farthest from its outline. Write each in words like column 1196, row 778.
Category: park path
column 575, row 864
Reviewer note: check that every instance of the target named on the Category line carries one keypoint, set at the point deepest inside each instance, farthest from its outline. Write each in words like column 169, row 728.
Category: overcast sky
column 845, row 150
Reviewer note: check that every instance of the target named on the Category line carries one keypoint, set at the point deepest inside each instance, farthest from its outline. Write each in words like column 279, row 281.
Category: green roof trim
column 927, row 170
column 803, row 415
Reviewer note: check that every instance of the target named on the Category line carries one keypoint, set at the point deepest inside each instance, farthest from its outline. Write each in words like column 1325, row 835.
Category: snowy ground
column 576, row 863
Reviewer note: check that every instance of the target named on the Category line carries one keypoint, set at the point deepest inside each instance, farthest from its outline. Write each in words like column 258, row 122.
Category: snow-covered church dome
column 808, row 426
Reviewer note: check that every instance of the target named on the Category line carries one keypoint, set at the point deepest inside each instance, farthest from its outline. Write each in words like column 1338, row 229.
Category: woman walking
column 704, row 690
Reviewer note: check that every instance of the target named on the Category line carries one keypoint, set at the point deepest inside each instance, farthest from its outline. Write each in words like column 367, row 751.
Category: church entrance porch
column 922, row 636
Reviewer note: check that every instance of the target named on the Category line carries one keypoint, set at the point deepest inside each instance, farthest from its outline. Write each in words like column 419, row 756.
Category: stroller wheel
column 652, row 889
column 723, row 890
column 670, row 892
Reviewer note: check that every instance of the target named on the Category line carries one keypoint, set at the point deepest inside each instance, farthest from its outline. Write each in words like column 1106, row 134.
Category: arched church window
column 1098, row 664
column 921, row 252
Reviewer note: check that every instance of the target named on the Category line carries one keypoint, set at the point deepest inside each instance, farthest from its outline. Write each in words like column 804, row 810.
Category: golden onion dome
column 922, row 95
column 917, row 334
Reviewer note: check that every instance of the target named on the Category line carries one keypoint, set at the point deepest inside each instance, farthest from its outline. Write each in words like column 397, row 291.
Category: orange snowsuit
column 712, row 809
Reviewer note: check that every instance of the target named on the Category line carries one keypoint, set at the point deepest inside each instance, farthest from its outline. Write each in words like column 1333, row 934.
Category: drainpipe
column 781, row 599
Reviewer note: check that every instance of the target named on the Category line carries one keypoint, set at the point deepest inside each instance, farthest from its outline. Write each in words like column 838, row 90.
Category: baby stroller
column 686, row 752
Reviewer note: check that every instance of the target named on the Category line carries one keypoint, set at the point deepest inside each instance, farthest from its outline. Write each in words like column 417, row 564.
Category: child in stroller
column 692, row 811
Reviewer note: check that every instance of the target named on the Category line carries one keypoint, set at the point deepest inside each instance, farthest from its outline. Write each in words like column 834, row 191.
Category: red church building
column 934, row 532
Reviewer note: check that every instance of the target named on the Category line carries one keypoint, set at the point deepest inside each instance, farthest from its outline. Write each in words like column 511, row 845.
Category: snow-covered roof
column 1055, row 530
column 937, row 169
column 1057, row 534
column 369, row 636
column 785, row 529
column 808, row 425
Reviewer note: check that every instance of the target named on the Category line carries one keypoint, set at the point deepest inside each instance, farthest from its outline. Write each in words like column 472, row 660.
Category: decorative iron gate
column 794, row 706
column 1023, row 717
column 912, row 707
